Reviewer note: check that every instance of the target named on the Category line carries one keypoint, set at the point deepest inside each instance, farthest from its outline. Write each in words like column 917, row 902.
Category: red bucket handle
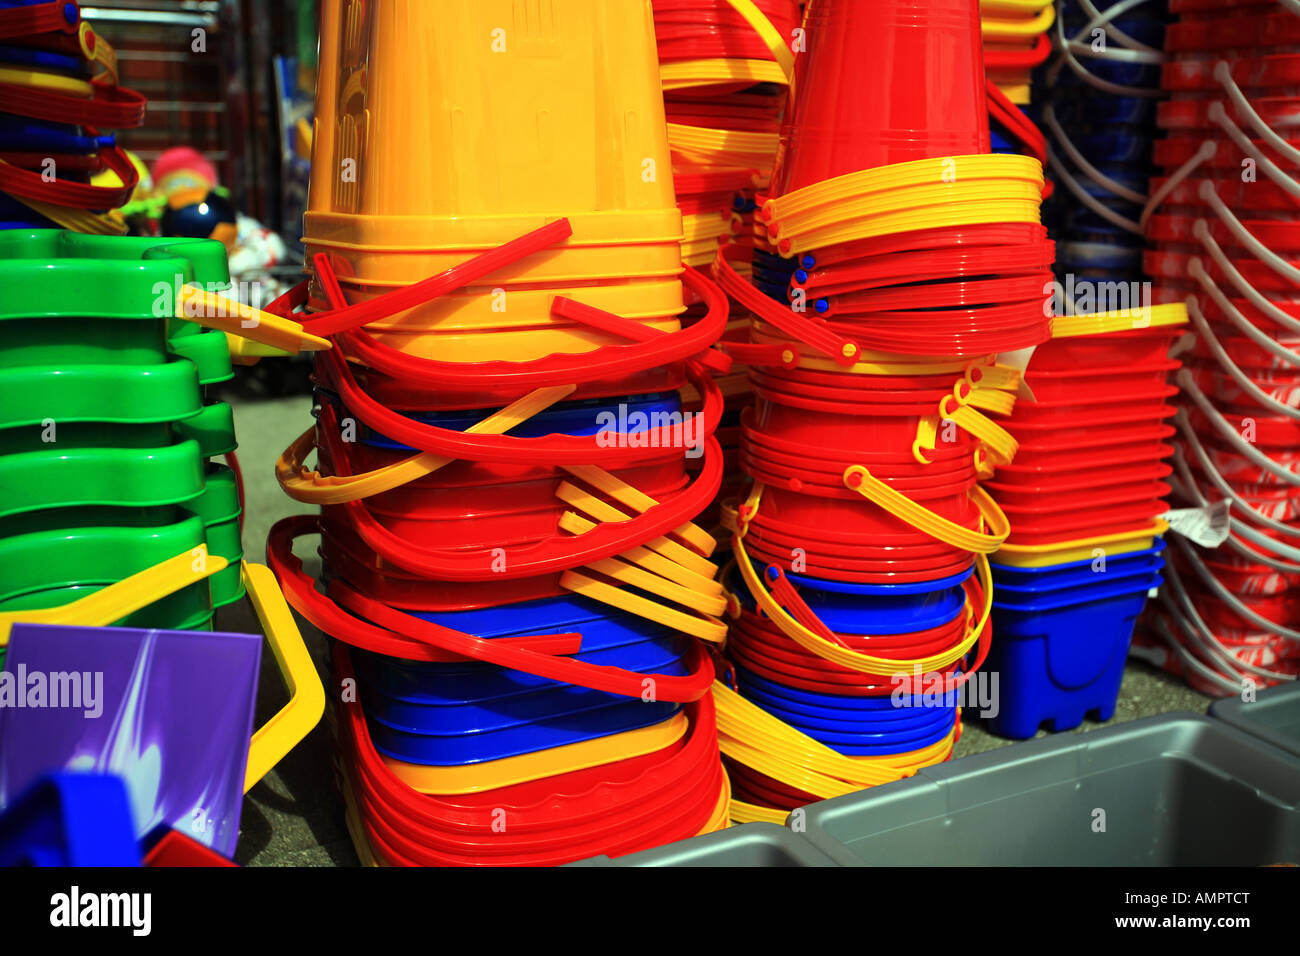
column 394, row 625
column 557, row 553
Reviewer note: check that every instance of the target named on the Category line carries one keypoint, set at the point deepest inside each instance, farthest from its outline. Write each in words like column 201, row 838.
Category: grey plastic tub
column 749, row 844
column 1180, row 789
column 1274, row 716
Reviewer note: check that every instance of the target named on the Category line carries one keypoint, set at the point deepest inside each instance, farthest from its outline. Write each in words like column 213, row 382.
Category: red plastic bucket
column 921, row 97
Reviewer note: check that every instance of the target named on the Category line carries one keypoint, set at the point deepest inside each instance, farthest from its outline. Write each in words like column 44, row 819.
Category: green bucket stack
column 109, row 447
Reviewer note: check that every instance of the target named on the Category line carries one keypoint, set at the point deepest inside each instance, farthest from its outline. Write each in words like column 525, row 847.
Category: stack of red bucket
column 724, row 92
column 918, row 260
column 1226, row 239
column 511, row 572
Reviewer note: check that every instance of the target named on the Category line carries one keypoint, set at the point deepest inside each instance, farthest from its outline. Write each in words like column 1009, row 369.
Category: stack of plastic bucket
column 1225, row 239
column 1096, row 100
column 510, row 567
column 108, row 445
column 1085, row 499
column 860, row 596
column 1015, row 42
column 724, row 92
column 59, row 97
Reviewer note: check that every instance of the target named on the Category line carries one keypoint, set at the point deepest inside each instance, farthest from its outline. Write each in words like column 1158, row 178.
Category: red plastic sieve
column 923, row 97
column 924, row 266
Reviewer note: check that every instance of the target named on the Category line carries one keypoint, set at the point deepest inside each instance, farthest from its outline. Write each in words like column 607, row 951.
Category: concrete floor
column 293, row 817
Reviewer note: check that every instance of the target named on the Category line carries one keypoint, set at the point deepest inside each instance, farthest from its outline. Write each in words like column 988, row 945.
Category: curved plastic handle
column 295, row 720
column 311, row 487
column 783, row 55
column 1184, row 611
column 110, row 223
column 1040, row 22
column 214, row 311
column 812, row 333
column 858, row 478
column 755, row 738
column 703, row 625
column 117, row 600
column 329, row 617
column 853, row 660
column 56, row 16
column 29, row 184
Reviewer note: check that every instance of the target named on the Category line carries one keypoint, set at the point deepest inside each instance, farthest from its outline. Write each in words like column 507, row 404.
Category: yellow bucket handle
column 858, row 478
column 306, row 703
column 313, row 488
column 214, row 311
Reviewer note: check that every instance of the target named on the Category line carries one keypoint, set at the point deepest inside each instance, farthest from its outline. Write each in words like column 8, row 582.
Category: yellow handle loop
column 993, row 436
column 752, row 736
column 601, row 510
column 705, row 628
column 313, row 488
column 783, row 55
column 117, row 600
column 682, row 74
column 843, row 656
column 858, row 478
column 1025, row 27
column 295, row 720
column 650, row 560
column 214, row 311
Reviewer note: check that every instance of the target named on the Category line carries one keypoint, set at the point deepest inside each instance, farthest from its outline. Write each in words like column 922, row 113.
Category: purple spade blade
column 171, row 712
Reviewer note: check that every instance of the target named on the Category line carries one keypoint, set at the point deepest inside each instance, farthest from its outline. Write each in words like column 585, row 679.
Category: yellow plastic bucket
column 436, row 122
